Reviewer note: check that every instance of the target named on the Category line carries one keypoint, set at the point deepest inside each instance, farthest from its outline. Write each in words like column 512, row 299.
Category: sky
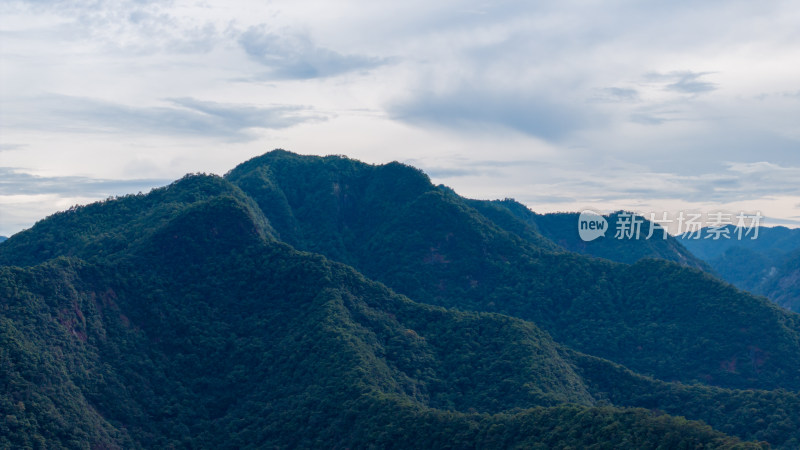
column 563, row 105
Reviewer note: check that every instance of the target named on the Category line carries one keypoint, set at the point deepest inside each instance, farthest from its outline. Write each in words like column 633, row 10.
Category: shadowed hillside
column 393, row 225
column 768, row 265
column 196, row 316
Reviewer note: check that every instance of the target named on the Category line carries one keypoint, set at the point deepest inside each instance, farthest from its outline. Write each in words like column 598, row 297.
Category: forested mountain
column 562, row 229
column 782, row 284
column 3, row 238
column 771, row 241
column 393, row 225
column 768, row 265
column 241, row 312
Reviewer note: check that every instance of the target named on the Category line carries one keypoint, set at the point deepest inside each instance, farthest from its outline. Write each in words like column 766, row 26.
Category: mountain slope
column 208, row 333
column 101, row 230
column 782, row 283
column 562, row 228
column 393, row 225
column 771, row 241
column 767, row 265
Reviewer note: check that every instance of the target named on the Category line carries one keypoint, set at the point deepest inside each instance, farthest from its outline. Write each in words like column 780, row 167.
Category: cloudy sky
column 563, row 105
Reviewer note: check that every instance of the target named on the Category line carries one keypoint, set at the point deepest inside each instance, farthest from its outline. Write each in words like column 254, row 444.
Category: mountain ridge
column 208, row 329
column 562, row 229
column 768, row 265
column 121, row 306
column 437, row 249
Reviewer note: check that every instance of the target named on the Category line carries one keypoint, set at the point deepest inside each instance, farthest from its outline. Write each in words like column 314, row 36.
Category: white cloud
column 178, row 116
column 25, row 198
column 294, row 56
column 614, row 101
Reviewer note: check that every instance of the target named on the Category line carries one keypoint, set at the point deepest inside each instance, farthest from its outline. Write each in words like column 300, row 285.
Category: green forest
column 321, row 302
column 767, row 264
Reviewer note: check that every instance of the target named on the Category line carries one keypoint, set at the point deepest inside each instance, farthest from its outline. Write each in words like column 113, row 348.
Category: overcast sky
column 563, row 105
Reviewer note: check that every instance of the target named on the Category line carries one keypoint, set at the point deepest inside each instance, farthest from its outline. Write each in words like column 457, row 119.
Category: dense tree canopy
column 241, row 312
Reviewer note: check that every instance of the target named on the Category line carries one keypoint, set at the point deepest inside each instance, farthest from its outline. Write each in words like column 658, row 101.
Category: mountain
column 767, row 265
column 197, row 316
column 771, row 241
column 390, row 223
column 782, row 283
column 3, row 238
column 562, row 228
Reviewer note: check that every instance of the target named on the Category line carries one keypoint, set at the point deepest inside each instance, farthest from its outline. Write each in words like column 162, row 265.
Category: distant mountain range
column 3, row 238
column 304, row 302
column 768, row 265
column 562, row 228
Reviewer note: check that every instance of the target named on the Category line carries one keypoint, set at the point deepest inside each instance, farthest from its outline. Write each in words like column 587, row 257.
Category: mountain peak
column 262, row 308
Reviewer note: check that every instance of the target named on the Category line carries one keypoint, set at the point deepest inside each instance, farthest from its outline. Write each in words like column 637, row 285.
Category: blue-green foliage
column 240, row 312
column 767, row 264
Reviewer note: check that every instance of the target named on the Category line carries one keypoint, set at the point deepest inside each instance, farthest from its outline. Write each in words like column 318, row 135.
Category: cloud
column 723, row 186
column 6, row 147
column 551, row 181
column 475, row 109
column 470, row 168
column 617, row 94
column 15, row 181
column 295, row 56
column 647, row 119
column 446, row 172
column 657, row 113
column 181, row 117
column 777, row 221
column 685, row 82
column 25, row 198
column 549, row 72
column 132, row 27
column 579, row 85
column 760, row 167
